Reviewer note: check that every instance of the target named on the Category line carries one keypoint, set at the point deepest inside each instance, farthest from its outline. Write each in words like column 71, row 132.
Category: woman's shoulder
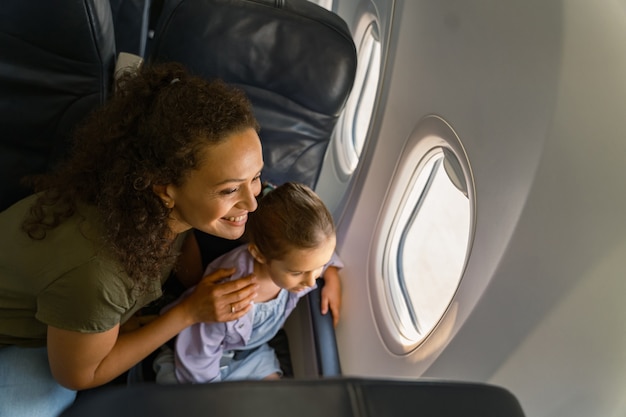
column 16, row 212
column 84, row 214
column 74, row 244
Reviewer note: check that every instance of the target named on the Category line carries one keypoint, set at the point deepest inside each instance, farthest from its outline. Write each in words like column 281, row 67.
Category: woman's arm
column 87, row 360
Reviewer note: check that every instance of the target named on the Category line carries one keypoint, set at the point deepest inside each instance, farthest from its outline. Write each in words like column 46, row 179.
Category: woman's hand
column 212, row 301
column 331, row 293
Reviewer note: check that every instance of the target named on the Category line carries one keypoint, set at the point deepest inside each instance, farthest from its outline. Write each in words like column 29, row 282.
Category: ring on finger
column 232, row 309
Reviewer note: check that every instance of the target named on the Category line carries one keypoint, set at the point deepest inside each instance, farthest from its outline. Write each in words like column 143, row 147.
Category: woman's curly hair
column 152, row 131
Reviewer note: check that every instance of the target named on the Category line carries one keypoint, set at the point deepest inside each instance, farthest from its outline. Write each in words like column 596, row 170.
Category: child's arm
column 331, row 293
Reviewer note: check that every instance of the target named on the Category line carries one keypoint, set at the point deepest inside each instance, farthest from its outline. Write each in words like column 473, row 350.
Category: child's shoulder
column 238, row 258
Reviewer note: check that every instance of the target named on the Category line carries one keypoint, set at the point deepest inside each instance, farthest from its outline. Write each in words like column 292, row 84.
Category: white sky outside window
column 426, row 248
column 434, row 248
column 355, row 120
column 327, row 4
column 369, row 56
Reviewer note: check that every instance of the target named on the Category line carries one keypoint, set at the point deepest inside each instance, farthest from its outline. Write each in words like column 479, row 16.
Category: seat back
column 330, row 397
column 131, row 19
column 295, row 60
column 56, row 65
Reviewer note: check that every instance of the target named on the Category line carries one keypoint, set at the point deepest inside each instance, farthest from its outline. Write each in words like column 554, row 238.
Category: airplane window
column 428, row 239
column 327, row 4
column 355, row 119
column 431, row 248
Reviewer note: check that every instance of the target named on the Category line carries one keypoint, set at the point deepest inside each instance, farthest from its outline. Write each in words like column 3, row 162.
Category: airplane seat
column 296, row 61
column 328, row 397
column 131, row 19
column 56, row 65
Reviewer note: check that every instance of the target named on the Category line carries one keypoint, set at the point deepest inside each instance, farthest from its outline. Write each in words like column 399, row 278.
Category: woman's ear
column 162, row 191
column 256, row 254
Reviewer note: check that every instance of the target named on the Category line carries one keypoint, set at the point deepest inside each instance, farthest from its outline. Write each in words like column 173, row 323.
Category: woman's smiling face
column 217, row 197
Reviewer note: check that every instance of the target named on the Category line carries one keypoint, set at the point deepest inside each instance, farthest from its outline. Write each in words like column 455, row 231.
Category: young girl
column 291, row 243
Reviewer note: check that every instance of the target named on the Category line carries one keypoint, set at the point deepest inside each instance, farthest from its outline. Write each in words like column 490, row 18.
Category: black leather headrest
column 296, row 61
column 56, row 64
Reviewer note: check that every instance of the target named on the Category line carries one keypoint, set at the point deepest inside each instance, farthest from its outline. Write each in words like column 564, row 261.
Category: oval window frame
column 362, row 100
column 431, row 133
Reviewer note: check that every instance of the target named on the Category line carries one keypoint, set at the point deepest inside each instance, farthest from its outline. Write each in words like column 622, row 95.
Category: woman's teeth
column 236, row 219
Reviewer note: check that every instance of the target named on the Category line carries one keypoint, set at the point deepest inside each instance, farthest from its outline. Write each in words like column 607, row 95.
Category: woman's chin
column 227, row 230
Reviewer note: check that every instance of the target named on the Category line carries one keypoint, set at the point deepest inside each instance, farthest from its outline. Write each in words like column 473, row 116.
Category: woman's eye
column 229, row 191
column 295, row 274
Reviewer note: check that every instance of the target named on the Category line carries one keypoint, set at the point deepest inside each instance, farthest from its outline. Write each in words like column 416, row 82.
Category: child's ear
column 256, row 254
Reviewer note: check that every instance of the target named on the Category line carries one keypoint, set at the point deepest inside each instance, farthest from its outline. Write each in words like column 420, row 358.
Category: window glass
column 327, row 4
column 432, row 247
column 355, row 120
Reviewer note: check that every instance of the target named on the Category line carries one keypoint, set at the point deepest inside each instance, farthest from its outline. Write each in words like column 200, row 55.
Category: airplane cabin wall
column 535, row 92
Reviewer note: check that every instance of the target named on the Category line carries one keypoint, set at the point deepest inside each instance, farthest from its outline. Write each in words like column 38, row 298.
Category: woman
column 168, row 153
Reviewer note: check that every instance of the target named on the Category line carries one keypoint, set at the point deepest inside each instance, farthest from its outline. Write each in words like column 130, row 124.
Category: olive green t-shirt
column 65, row 280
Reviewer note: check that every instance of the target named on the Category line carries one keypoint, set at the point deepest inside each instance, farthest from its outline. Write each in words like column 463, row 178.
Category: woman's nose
column 249, row 201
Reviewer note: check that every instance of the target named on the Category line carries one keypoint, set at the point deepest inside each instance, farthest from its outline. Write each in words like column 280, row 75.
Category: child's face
column 301, row 267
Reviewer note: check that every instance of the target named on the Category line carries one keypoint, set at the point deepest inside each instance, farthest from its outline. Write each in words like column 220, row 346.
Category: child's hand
column 331, row 293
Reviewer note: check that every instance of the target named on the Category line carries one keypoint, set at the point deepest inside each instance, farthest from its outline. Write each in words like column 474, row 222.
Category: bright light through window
column 432, row 247
column 355, row 120
column 327, row 4
column 367, row 78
